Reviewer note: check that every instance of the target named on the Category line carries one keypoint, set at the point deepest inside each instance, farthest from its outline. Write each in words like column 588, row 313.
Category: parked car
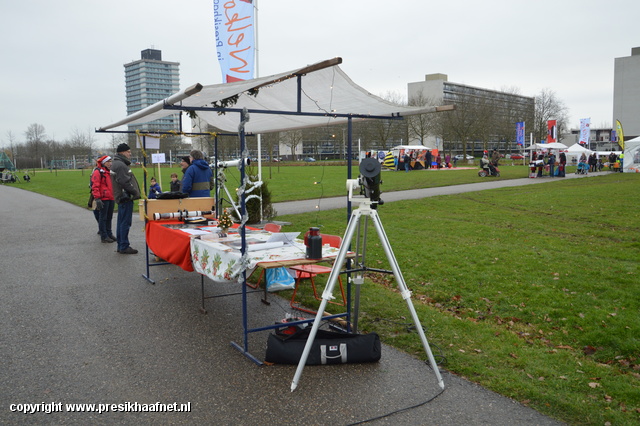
column 517, row 156
column 309, row 159
column 461, row 157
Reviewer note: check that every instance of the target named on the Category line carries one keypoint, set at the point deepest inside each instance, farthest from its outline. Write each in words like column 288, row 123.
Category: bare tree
column 35, row 136
column 387, row 132
column 12, row 146
column 549, row 107
column 461, row 123
column 423, row 125
column 292, row 139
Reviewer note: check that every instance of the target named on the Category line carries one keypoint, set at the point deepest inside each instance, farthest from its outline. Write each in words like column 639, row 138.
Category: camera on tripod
column 369, row 182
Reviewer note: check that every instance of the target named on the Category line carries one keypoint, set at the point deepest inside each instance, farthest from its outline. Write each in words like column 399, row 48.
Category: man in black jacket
column 125, row 190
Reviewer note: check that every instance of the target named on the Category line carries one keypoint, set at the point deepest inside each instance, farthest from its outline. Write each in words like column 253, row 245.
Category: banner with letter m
column 552, row 136
column 235, row 38
column 520, row 133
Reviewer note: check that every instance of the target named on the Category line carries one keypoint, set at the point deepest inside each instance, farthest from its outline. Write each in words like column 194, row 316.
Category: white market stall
column 418, row 154
column 631, row 163
column 316, row 95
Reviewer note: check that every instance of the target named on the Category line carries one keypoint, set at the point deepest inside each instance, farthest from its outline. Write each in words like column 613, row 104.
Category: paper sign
column 149, row 142
column 158, row 158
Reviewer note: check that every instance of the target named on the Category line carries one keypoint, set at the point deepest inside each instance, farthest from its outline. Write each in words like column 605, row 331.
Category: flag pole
column 257, row 74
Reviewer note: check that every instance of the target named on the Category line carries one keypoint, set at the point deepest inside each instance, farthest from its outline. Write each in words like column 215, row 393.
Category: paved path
column 331, row 203
column 80, row 325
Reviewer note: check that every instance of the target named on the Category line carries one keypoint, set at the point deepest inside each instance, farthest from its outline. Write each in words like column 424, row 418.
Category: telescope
column 369, row 182
column 232, row 163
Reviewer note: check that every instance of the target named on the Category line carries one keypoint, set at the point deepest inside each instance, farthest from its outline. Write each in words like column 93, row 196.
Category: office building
column 490, row 114
column 626, row 93
column 148, row 81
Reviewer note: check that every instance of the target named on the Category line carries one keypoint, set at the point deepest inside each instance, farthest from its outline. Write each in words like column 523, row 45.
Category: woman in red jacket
column 103, row 194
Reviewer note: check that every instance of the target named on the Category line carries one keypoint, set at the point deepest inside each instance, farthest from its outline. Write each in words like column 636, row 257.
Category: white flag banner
column 235, row 40
column 585, row 131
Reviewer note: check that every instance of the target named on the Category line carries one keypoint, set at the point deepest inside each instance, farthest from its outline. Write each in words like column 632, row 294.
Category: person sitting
column 487, row 165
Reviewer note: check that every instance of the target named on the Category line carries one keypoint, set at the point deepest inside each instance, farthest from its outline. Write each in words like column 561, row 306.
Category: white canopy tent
column 418, row 147
column 631, row 163
column 554, row 145
column 577, row 149
column 315, row 95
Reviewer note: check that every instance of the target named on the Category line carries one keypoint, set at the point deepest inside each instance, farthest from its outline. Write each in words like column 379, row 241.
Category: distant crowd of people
column 556, row 165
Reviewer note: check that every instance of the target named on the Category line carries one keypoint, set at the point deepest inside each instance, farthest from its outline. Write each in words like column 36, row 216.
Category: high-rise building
column 148, row 81
column 626, row 93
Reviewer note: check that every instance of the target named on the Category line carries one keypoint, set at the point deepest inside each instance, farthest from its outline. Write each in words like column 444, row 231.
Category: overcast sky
column 62, row 61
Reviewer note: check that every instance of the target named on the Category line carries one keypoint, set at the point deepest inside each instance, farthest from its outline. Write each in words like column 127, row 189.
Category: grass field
column 302, row 181
column 532, row 291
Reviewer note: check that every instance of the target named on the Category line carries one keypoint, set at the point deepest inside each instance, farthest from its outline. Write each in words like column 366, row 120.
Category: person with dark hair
column 185, row 162
column 407, row 162
column 197, row 179
column 593, row 161
column 495, row 158
column 551, row 161
column 175, row 183
column 154, row 189
column 102, row 191
column 562, row 165
column 125, row 191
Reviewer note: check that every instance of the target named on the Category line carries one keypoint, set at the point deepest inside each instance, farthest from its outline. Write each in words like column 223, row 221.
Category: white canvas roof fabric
column 631, row 163
column 324, row 90
column 553, row 145
column 576, row 148
column 410, row 147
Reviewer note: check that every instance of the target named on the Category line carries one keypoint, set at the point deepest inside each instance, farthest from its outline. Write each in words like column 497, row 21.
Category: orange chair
column 272, row 227
column 304, row 272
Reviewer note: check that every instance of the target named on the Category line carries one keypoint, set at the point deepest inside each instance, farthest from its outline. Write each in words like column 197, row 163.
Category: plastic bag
column 279, row 279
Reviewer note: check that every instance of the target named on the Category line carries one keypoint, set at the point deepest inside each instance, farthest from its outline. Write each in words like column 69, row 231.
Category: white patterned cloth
column 218, row 260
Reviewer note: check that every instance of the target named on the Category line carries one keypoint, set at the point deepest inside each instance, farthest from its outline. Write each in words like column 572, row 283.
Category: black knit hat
column 123, row 147
column 186, row 159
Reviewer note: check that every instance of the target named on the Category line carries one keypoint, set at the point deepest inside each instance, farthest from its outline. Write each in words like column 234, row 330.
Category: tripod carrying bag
column 329, row 347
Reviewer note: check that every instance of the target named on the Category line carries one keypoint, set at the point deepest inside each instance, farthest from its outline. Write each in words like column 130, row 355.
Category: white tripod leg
column 406, row 293
column 326, row 295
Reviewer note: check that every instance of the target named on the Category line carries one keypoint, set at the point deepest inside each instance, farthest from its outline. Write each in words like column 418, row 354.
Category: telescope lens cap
column 370, row 167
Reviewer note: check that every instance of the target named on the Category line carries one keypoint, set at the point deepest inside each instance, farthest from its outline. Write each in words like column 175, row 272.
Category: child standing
column 175, row 183
column 154, row 190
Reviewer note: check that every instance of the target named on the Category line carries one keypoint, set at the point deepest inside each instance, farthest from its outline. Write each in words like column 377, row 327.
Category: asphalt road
column 79, row 324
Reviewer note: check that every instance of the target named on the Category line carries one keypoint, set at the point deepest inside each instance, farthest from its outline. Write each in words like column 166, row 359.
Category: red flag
column 551, row 131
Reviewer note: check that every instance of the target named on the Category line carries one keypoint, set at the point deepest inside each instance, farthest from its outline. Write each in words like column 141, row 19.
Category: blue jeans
column 104, row 219
column 125, row 212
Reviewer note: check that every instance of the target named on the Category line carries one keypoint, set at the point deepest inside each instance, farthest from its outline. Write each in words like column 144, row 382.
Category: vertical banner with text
column 552, row 136
column 235, row 39
column 620, row 134
column 520, row 133
column 585, row 131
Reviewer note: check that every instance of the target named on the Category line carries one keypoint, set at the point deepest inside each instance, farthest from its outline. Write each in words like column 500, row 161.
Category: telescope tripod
column 365, row 210
column 222, row 184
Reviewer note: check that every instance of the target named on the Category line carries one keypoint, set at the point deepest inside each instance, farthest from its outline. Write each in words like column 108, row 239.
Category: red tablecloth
column 169, row 244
